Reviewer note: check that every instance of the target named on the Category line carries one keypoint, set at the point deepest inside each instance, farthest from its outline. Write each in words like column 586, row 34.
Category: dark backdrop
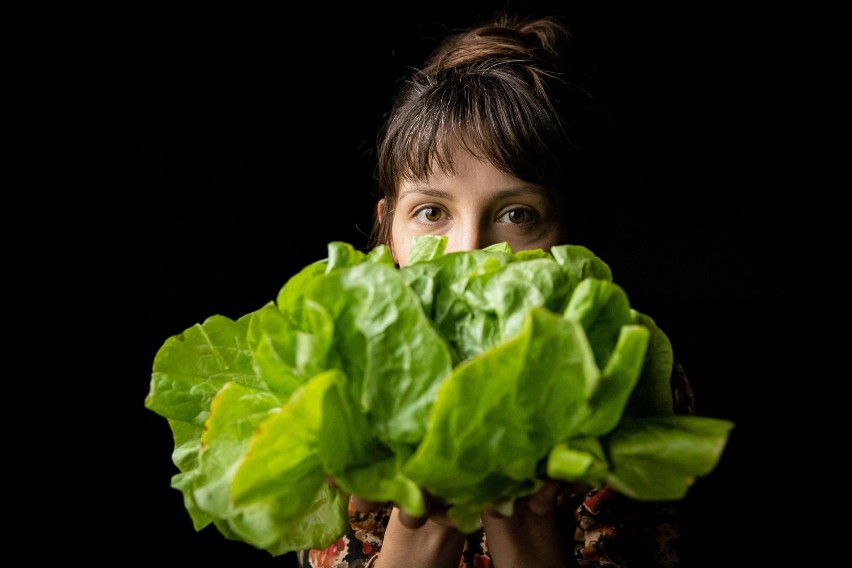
column 216, row 148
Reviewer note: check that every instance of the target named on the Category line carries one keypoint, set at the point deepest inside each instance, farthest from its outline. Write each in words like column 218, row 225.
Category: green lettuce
column 472, row 375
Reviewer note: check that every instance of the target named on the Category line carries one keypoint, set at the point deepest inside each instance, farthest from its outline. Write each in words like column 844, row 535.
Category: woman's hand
column 528, row 537
column 427, row 541
column 531, row 535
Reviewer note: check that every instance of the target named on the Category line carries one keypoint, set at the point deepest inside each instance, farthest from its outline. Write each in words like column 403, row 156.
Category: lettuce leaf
column 473, row 375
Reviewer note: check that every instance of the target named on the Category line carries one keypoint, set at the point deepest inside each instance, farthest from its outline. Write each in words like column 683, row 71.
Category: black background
column 212, row 149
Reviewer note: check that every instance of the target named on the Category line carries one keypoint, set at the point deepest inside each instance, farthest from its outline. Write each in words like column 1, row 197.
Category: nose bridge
column 469, row 233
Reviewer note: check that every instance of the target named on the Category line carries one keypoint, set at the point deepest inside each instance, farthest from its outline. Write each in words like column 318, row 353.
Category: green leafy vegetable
column 473, row 375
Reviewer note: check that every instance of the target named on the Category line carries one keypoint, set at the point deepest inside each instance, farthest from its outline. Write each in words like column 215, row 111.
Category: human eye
column 428, row 214
column 519, row 216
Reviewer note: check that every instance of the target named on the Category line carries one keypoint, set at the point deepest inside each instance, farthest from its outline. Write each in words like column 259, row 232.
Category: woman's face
column 477, row 207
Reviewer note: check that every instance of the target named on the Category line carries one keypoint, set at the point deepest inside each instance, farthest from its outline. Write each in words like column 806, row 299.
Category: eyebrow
column 439, row 193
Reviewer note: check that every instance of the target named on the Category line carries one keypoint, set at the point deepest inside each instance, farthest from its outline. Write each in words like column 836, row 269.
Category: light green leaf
column 190, row 368
column 658, row 458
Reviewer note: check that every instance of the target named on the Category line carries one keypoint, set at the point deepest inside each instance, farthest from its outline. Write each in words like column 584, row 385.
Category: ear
column 381, row 211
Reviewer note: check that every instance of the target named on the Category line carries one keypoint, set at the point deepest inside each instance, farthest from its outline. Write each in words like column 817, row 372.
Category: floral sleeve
column 610, row 530
column 357, row 548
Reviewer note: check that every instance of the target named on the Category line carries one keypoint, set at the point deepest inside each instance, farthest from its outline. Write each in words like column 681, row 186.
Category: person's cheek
column 402, row 258
column 401, row 248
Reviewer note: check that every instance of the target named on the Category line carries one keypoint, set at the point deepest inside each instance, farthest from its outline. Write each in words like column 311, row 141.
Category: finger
column 414, row 522
column 543, row 501
column 411, row 521
column 493, row 513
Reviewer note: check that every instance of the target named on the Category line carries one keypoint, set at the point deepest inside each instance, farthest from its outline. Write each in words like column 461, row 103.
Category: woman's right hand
column 427, row 541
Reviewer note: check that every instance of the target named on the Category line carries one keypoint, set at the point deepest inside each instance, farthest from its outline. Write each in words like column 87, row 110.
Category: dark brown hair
column 508, row 91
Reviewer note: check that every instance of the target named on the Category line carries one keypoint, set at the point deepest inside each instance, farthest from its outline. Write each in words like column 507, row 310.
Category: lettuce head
column 472, row 375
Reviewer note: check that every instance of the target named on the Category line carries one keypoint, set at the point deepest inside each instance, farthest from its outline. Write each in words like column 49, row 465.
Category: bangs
column 488, row 110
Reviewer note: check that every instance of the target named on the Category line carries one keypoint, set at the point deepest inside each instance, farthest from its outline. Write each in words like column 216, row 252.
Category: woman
column 487, row 143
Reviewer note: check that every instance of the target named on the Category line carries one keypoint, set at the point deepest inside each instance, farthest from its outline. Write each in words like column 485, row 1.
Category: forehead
column 463, row 167
column 471, row 177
